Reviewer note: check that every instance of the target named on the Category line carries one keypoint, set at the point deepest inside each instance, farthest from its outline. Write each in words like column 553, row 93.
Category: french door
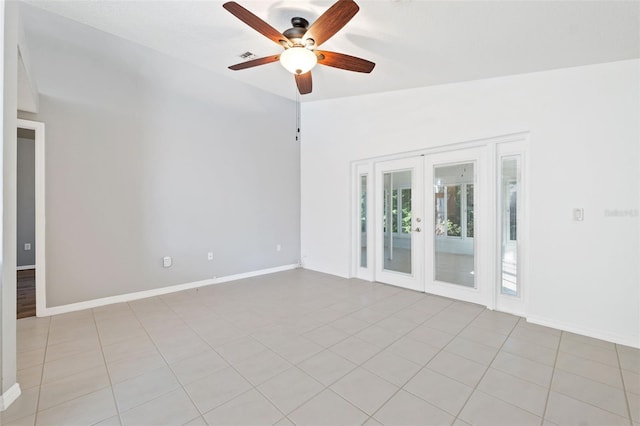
column 399, row 202
column 455, row 258
column 447, row 223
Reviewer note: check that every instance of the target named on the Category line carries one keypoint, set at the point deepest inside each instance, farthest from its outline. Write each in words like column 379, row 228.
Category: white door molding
column 41, row 292
column 414, row 278
column 482, row 247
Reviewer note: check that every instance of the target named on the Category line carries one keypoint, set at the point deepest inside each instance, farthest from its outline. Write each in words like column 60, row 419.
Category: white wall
column 149, row 157
column 584, row 144
column 9, row 389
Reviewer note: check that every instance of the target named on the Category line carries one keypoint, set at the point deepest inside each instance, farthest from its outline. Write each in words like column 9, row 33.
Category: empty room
column 301, row 212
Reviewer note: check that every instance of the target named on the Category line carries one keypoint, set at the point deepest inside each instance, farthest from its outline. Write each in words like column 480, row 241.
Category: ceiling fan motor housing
column 298, row 30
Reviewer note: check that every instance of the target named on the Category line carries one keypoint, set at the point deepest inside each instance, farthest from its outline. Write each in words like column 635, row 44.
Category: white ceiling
column 414, row 43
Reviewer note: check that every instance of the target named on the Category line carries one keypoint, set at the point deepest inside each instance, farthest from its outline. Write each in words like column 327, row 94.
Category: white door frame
column 482, row 230
column 365, row 273
column 41, row 292
column 516, row 305
column 414, row 280
column 489, row 174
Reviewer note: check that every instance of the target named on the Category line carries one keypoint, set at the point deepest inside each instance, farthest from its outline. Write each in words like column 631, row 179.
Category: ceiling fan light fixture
column 298, row 60
column 301, row 40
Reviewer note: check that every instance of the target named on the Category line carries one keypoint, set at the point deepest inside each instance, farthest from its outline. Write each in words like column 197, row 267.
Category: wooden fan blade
column 331, row 21
column 256, row 23
column 304, row 82
column 345, row 62
column 254, row 62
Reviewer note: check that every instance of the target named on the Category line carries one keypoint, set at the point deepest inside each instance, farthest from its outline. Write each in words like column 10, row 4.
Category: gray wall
column 26, row 198
column 148, row 157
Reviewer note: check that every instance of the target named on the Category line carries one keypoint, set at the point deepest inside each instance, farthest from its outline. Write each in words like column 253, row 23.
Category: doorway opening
column 26, row 224
column 398, row 201
column 447, row 221
column 30, row 232
column 454, row 224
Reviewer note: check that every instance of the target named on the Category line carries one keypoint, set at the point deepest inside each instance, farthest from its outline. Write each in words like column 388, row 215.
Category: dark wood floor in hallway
column 26, row 306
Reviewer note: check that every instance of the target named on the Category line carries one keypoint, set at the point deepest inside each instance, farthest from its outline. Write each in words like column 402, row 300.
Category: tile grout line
column 176, row 308
column 425, row 365
column 104, row 359
column 386, row 347
column 475, row 388
column 214, row 350
column 253, row 387
column 436, row 354
column 624, row 388
column 357, row 365
column 44, row 358
column 553, row 373
column 578, row 355
column 185, row 323
column 566, row 370
column 328, row 388
column 182, row 386
column 55, row 381
column 135, row 314
column 588, row 378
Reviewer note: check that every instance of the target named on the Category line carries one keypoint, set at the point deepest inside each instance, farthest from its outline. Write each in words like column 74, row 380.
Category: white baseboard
column 633, row 341
column 72, row 307
column 7, row 398
column 315, row 268
column 235, row 277
column 25, row 267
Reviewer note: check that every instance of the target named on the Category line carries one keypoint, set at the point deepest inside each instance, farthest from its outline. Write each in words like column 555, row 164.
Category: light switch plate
column 578, row 214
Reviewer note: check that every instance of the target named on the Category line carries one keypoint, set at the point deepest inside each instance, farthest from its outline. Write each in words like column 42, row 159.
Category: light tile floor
column 300, row 347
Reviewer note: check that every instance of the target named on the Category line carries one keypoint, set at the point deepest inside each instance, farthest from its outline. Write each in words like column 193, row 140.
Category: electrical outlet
column 210, row 255
column 27, row 246
column 578, row 214
column 167, row 261
column 278, row 247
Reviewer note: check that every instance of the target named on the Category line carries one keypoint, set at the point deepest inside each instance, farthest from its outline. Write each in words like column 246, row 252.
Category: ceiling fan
column 300, row 42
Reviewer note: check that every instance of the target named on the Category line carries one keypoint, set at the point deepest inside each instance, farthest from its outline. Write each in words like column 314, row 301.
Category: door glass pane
column 394, row 210
column 469, row 207
column 454, row 224
column 509, row 201
column 397, row 213
column 406, row 210
column 363, row 221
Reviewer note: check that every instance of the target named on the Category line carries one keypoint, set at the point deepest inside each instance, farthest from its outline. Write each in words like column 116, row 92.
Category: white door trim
column 516, row 305
column 7, row 398
column 492, row 148
column 482, row 231
column 41, row 292
column 414, row 280
column 366, row 273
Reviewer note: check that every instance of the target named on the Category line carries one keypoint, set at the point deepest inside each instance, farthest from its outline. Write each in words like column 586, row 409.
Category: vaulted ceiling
column 414, row 43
